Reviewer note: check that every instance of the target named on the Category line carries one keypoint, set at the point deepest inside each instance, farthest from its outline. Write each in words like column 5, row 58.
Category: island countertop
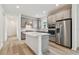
column 35, row 33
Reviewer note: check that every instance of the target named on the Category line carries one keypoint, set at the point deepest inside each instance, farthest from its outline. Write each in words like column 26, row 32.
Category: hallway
column 15, row 47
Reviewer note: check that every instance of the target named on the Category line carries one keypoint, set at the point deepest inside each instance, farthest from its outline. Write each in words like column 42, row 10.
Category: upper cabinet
column 60, row 13
column 63, row 14
column 51, row 19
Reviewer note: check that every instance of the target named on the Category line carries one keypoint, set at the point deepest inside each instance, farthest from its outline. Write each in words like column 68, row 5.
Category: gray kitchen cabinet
column 67, row 13
column 62, row 14
column 52, row 19
column 49, row 20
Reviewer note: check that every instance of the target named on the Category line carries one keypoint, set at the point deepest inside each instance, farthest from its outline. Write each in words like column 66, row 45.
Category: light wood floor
column 15, row 47
column 55, row 49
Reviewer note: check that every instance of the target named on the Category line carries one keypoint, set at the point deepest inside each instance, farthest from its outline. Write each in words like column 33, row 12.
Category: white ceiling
column 34, row 10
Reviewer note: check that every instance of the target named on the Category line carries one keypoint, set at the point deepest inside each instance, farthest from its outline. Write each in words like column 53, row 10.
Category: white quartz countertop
column 35, row 33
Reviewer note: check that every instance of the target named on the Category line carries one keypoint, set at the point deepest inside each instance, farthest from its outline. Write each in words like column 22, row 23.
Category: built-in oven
column 52, row 32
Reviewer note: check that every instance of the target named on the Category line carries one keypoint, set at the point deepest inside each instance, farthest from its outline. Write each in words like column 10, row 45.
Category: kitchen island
column 37, row 41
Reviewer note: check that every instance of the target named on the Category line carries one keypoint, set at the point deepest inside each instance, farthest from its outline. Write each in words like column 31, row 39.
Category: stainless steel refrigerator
column 64, row 32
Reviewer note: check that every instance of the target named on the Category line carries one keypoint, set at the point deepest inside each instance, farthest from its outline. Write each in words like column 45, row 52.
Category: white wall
column 78, row 25
column 18, row 26
column 75, row 26
column 11, row 25
column 2, row 26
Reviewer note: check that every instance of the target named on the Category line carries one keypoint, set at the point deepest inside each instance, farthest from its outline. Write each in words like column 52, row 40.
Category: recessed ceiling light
column 30, row 22
column 17, row 6
column 44, row 12
column 57, row 4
